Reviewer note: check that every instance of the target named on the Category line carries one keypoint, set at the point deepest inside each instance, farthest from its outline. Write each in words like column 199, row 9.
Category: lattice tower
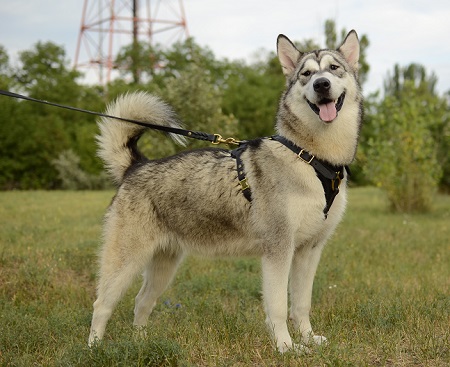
column 108, row 25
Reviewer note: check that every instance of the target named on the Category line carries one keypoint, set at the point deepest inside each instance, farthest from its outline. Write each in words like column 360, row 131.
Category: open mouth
column 328, row 109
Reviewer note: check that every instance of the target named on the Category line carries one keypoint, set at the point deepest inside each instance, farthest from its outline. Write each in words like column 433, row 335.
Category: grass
column 381, row 293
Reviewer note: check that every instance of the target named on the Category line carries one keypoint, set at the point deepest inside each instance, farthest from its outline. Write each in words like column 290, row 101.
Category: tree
column 198, row 102
column 32, row 135
column 5, row 70
column 140, row 59
column 27, row 143
column 403, row 151
column 251, row 94
column 44, row 73
column 155, row 64
column 414, row 74
column 437, row 109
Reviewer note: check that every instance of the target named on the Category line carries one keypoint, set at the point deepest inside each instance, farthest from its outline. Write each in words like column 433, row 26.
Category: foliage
column 402, row 151
column 5, row 78
column 197, row 101
column 73, row 177
column 251, row 95
column 32, row 135
column 26, row 146
column 435, row 108
column 182, row 55
column 44, row 73
column 152, row 65
column 139, row 59
column 381, row 293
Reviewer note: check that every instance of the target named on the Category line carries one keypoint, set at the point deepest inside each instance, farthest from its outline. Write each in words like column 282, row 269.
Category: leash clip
column 218, row 139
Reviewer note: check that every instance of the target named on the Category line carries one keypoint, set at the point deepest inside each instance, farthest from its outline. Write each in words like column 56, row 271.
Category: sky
column 399, row 31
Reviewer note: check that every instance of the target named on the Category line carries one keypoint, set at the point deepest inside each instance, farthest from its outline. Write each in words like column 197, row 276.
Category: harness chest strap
column 245, row 187
column 330, row 176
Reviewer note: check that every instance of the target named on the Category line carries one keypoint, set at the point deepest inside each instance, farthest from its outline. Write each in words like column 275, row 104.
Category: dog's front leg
column 303, row 270
column 275, row 282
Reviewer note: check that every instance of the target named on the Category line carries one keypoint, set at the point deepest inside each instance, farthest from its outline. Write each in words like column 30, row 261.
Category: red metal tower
column 107, row 25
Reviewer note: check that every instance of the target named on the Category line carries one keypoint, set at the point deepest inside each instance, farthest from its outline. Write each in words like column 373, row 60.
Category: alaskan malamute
column 274, row 197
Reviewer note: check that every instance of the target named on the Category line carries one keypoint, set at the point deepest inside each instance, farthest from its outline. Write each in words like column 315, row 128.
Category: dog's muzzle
column 326, row 108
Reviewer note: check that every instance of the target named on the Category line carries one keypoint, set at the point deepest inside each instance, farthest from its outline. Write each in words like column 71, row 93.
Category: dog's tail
column 118, row 139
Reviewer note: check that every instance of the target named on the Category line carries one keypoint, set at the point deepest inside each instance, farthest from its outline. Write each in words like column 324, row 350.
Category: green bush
column 402, row 154
column 73, row 177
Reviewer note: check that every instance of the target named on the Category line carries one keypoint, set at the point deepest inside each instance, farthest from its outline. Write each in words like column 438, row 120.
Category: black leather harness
column 329, row 175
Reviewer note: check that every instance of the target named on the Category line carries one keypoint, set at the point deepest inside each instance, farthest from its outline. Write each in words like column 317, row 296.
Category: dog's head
column 324, row 79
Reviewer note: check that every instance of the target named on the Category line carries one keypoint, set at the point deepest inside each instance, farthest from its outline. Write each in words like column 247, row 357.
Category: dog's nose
column 322, row 85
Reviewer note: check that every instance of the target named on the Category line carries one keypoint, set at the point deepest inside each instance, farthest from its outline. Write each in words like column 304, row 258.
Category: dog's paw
column 319, row 340
column 301, row 349
column 93, row 341
column 312, row 340
column 140, row 333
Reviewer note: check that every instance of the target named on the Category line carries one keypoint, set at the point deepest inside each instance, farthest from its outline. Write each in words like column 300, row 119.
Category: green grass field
column 381, row 294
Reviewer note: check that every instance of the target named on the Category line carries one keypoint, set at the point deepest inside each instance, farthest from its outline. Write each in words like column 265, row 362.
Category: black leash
column 213, row 138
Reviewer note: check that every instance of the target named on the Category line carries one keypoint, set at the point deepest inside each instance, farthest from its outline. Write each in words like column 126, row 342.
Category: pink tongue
column 327, row 111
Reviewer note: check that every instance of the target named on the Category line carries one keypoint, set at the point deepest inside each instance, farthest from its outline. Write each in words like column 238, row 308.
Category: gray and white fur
column 192, row 203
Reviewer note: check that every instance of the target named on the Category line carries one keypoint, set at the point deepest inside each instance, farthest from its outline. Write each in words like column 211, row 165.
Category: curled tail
column 117, row 140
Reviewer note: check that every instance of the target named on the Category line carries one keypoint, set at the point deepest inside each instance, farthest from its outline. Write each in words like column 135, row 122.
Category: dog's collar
column 325, row 169
column 329, row 175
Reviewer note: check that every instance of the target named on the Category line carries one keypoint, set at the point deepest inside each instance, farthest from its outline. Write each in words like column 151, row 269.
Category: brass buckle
column 244, row 184
column 304, row 160
column 338, row 178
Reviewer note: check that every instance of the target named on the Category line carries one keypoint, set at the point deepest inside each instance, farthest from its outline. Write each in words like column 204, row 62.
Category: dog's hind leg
column 303, row 270
column 121, row 260
column 157, row 276
column 110, row 290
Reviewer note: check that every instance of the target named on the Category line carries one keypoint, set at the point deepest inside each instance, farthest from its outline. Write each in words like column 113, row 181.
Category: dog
column 194, row 202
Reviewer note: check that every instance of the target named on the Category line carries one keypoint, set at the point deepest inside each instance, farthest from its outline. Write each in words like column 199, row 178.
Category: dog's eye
column 334, row 67
column 306, row 73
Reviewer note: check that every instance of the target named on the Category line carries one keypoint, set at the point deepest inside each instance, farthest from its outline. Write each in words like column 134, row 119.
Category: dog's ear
column 287, row 54
column 350, row 49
